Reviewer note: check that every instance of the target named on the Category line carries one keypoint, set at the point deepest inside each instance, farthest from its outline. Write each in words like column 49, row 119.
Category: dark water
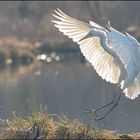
column 66, row 87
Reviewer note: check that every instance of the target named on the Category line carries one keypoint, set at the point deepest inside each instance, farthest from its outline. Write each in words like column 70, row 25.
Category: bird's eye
column 90, row 34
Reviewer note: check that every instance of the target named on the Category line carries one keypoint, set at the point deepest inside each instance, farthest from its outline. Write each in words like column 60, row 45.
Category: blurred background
column 39, row 66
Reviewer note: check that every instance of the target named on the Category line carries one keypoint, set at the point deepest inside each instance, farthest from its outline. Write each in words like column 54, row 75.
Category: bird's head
column 90, row 34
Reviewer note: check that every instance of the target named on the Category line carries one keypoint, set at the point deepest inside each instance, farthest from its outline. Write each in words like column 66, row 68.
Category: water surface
column 67, row 87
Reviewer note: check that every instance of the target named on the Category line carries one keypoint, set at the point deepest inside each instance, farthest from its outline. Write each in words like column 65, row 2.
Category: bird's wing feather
column 126, row 49
column 94, row 24
column 91, row 48
column 71, row 27
column 122, row 46
column 102, row 61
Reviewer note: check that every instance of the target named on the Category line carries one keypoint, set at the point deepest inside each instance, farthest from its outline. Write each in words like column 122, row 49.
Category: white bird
column 115, row 56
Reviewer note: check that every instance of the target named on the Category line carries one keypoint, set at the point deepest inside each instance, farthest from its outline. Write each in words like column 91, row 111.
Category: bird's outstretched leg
column 113, row 103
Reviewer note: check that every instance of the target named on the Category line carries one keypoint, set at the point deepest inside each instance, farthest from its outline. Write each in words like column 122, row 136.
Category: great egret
column 115, row 56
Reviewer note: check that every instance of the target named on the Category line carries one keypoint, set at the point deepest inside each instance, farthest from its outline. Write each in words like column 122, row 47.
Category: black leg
column 104, row 106
column 114, row 105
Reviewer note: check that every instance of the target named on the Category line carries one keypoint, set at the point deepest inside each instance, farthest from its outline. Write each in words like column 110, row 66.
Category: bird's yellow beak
column 84, row 38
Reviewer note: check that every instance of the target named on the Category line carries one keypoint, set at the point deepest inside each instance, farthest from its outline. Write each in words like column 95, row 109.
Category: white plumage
column 114, row 56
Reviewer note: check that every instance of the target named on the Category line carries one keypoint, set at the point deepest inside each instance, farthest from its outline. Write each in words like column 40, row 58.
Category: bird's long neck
column 103, row 40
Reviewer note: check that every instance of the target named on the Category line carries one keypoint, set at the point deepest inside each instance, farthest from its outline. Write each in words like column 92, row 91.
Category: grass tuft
column 41, row 125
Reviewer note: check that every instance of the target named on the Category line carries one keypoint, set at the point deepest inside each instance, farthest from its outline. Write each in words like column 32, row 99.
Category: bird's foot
column 96, row 117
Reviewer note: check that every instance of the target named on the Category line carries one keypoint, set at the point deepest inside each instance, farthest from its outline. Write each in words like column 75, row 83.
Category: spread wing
column 127, row 49
column 125, row 46
column 91, row 48
column 71, row 27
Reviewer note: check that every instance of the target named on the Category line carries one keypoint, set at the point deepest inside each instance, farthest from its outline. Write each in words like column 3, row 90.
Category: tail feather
column 132, row 91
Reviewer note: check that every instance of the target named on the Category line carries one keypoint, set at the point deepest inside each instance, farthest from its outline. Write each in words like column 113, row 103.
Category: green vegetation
column 41, row 125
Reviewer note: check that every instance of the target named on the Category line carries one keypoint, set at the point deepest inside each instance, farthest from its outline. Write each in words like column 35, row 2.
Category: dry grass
column 43, row 126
